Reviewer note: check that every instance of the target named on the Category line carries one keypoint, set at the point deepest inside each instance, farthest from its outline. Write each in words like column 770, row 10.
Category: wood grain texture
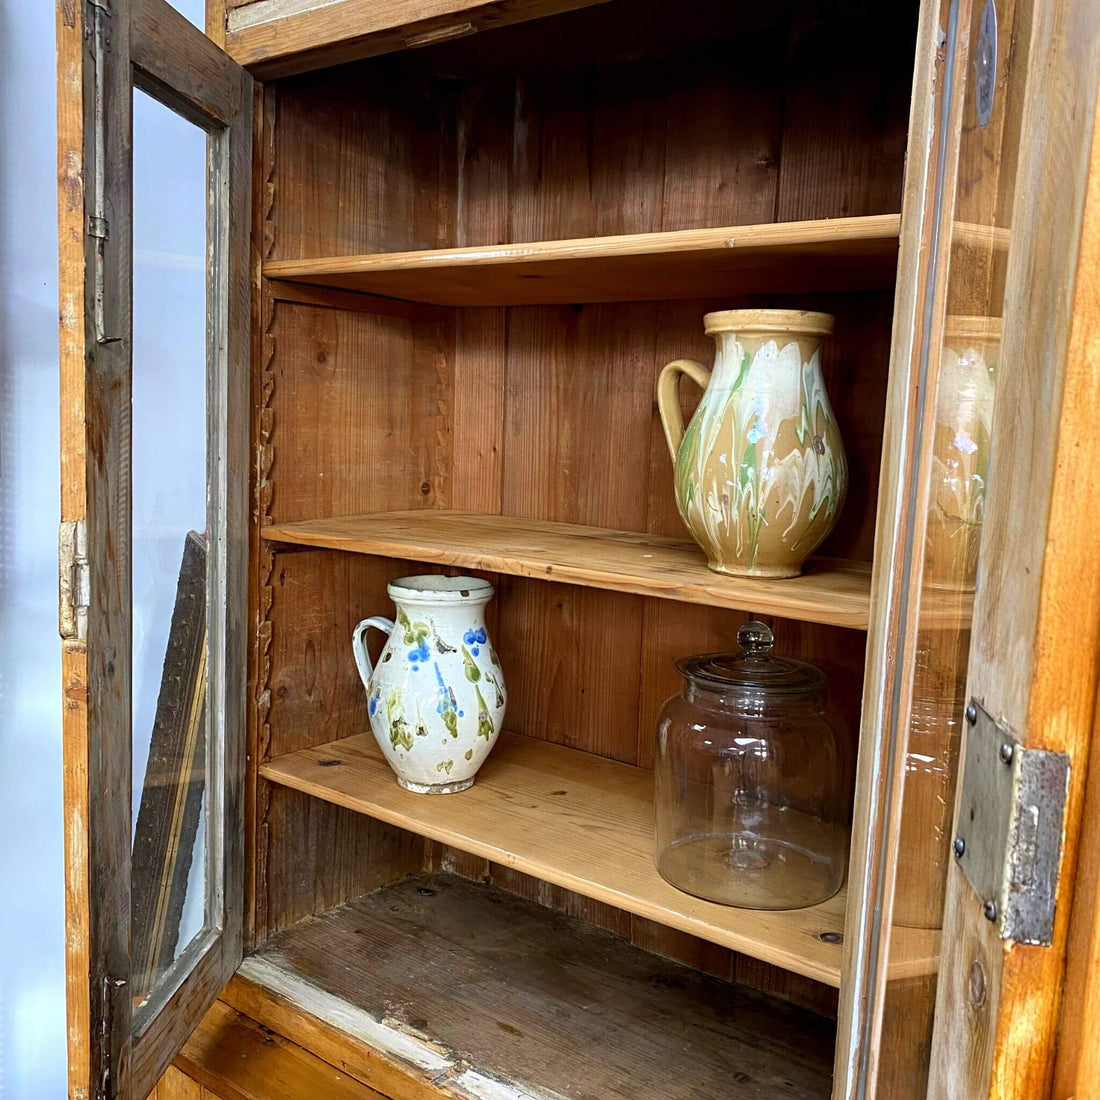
column 499, row 989
column 293, row 1008
column 595, row 839
column 838, row 85
column 341, row 386
column 175, row 1085
column 360, row 165
column 231, row 1057
column 786, row 258
column 1019, row 669
column 95, row 709
column 216, row 13
column 181, row 68
column 362, row 404
column 281, row 37
column 829, row 591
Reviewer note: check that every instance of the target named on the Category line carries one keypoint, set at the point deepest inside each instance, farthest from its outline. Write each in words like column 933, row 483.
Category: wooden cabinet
column 450, row 247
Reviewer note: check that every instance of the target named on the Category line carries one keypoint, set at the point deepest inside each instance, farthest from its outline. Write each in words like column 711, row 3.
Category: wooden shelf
column 829, row 591
column 438, row 986
column 774, row 258
column 584, row 823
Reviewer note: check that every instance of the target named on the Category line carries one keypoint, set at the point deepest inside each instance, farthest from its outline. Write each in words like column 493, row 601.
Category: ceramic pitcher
column 436, row 697
column 760, row 473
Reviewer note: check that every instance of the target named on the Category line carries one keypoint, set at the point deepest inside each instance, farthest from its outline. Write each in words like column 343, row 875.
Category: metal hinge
column 110, row 988
column 1010, row 828
column 74, row 580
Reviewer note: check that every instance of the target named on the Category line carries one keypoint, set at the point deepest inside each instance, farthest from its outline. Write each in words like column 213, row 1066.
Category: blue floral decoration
column 475, row 638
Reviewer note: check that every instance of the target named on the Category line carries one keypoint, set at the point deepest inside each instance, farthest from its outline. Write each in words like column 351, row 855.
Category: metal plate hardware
column 1008, row 836
column 985, row 64
column 74, row 581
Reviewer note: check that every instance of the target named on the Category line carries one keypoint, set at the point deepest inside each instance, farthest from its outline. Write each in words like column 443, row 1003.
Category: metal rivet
column 990, row 910
column 971, row 714
column 1008, row 751
column 959, row 847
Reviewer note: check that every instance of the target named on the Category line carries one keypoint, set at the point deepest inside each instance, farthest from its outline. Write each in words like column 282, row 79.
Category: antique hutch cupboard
column 450, row 245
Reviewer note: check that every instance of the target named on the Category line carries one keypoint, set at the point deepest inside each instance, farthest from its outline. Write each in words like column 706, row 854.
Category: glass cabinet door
column 155, row 157
column 975, row 622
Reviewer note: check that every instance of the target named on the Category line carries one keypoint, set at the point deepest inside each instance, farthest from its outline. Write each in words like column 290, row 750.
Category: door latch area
column 1008, row 836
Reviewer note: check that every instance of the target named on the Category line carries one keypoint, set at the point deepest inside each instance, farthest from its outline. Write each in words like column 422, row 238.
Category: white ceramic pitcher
column 436, row 697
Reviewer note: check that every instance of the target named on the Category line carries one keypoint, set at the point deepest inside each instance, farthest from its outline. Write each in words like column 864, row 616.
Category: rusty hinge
column 1009, row 833
column 74, row 580
column 109, row 990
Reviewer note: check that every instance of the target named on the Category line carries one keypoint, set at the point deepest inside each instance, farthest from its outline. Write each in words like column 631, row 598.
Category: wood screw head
column 971, row 714
column 990, row 910
column 959, row 847
column 1008, row 751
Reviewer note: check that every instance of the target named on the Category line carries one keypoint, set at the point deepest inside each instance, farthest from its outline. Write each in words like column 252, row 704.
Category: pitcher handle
column 668, row 398
column 359, row 645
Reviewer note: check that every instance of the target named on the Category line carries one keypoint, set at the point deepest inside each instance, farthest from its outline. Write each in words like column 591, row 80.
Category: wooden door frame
column 104, row 50
column 1035, row 653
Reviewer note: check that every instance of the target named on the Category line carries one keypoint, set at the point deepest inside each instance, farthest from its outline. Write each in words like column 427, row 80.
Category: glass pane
column 962, row 385
column 169, row 500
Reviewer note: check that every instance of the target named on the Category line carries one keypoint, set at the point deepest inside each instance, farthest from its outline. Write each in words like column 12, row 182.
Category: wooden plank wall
column 543, row 412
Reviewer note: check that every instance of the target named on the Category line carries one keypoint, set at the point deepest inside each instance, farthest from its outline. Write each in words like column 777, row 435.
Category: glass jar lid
column 752, row 670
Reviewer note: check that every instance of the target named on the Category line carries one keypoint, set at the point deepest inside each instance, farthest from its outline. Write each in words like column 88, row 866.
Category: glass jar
column 753, row 780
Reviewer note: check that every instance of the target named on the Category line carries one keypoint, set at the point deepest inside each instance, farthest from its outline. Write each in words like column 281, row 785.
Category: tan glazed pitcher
column 760, row 473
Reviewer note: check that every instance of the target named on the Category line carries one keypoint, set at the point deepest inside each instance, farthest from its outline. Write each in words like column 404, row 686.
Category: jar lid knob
column 755, row 639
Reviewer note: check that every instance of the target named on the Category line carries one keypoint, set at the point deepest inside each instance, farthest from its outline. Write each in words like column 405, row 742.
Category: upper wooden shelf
column 829, row 591
column 774, row 258
column 584, row 823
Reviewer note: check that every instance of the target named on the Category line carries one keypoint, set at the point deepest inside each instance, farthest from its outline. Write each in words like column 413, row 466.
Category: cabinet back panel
column 361, row 410
column 361, row 165
column 535, row 133
column 537, row 412
column 581, row 125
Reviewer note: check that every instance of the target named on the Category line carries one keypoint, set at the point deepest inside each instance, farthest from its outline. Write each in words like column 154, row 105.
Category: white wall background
column 32, row 1032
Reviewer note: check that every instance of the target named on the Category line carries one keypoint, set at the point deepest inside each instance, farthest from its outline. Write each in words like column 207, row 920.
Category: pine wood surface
column 474, row 985
column 784, row 257
column 583, row 823
column 232, row 1057
column 829, row 591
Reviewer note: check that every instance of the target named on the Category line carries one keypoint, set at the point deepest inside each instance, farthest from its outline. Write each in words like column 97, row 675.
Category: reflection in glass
column 961, row 383
column 960, row 451
column 169, row 502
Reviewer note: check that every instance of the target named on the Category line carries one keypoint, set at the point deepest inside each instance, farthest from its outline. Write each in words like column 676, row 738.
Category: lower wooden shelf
column 584, row 823
column 438, row 986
